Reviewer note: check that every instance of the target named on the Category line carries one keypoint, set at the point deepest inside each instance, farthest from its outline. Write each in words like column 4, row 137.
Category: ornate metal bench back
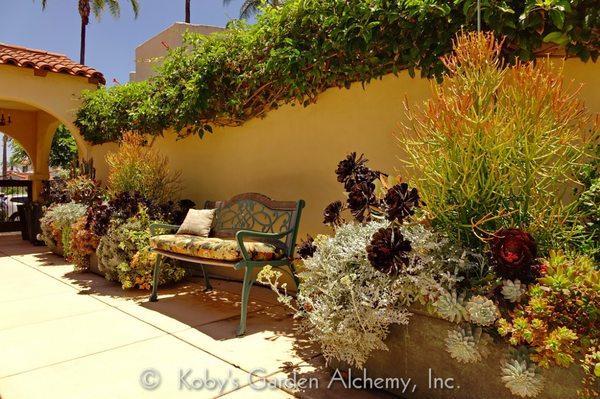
column 256, row 212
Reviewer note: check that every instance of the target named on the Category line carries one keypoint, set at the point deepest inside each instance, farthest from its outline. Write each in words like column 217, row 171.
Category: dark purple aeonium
column 332, row 214
column 388, row 251
column 360, row 200
column 400, row 202
column 513, row 255
column 307, row 248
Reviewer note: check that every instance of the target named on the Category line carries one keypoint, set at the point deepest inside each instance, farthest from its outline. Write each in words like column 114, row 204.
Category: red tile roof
column 43, row 62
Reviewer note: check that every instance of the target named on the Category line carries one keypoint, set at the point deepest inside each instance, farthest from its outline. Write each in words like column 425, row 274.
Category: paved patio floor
column 75, row 335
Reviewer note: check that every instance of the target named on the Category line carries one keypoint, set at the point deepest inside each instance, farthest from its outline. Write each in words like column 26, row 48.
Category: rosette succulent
column 350, row 166
column 451, row 306
column 482, row 310
column 388, row 251
column 360, row 199
column 307, row 248
column 400, row 202
column 513, row 255
column 353, row 170
column 467, row 344
column 513, row 291
column 522, row 378
column 332, row 213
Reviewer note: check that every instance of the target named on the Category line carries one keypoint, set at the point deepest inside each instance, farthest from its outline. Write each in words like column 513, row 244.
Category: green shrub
column 56, row 226
column 296, row 51
column 498, row 146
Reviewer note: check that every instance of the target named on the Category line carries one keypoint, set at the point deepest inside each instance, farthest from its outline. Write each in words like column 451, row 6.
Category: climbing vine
column 296, row 51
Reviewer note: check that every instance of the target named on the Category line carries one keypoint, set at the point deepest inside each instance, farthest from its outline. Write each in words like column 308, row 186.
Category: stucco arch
column 47, row 100
column 38, row 105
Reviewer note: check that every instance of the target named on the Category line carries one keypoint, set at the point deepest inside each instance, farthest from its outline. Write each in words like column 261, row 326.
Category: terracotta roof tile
column 43, row 61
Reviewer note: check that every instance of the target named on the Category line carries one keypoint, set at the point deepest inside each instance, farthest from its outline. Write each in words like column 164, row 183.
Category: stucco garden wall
column 293, row 152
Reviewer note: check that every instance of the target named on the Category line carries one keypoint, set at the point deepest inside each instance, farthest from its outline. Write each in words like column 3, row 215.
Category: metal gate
column 12, row 194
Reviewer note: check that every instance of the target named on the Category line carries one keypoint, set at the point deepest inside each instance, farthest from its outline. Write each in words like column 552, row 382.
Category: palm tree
column 250, row 7
column 86, row 7
column 188, row 12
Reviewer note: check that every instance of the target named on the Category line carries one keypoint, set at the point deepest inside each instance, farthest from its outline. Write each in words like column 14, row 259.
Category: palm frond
column 249, row 8
column 135, row 5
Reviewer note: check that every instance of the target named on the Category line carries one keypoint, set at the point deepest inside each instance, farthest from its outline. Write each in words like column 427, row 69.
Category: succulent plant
column 451, row 306
column 513, row 291
column 482, row 310
column 361, row 197
column 400, row 202
column 513, row 255
column 307, row 248
column 332, row 213
column 467, row 344
column 388, row 251
column 353, row 170
column 522, row 378
column 349, row 166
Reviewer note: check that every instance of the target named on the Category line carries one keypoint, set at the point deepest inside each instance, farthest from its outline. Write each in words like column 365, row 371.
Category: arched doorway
column 41, row 91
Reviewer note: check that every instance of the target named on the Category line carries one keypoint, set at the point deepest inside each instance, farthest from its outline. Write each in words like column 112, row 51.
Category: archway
column 41, row 91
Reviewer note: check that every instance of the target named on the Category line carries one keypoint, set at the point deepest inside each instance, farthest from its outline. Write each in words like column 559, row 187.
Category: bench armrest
column 164, row 226
column 240, row 235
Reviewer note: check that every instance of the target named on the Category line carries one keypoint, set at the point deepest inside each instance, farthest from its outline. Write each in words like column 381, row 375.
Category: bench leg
column 154, row 295
column 245, row 297
column 207, row 285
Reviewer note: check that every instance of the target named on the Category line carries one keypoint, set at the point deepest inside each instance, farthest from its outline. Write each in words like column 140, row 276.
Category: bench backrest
column 256, row 212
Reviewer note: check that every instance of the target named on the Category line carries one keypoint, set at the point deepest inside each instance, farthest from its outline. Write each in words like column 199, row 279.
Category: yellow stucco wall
column 293, row 152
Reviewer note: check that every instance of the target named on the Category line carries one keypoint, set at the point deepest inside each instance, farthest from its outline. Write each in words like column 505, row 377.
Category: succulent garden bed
column 498, row 245
column 106, row 230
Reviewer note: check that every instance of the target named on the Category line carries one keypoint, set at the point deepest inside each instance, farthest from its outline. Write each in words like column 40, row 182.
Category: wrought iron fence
column 12, row 194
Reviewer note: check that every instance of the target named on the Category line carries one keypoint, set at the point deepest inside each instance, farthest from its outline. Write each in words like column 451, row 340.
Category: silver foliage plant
column 347, row 306
column 59, row 217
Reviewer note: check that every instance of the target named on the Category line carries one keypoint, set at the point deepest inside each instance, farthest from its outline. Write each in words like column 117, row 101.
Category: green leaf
column 558, row 18
column 556, row 37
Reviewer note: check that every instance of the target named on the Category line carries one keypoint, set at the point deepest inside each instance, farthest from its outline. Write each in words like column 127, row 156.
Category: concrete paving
column 76, row 335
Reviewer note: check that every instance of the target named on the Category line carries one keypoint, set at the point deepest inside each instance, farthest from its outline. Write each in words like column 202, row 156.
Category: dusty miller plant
column 346, row 305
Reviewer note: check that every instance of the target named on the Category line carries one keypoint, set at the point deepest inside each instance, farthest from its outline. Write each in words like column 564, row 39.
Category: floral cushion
column 216, row 248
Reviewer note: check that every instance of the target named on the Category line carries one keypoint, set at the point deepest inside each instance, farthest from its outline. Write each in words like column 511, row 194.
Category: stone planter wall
column 419, row 347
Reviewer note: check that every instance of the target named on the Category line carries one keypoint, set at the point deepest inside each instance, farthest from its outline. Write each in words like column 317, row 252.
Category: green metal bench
column 245, row 216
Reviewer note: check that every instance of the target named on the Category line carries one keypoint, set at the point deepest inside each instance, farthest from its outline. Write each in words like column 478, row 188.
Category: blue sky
column 110, row 42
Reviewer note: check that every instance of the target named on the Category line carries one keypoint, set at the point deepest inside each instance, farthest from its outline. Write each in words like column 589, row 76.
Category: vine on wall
column 296, row 51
